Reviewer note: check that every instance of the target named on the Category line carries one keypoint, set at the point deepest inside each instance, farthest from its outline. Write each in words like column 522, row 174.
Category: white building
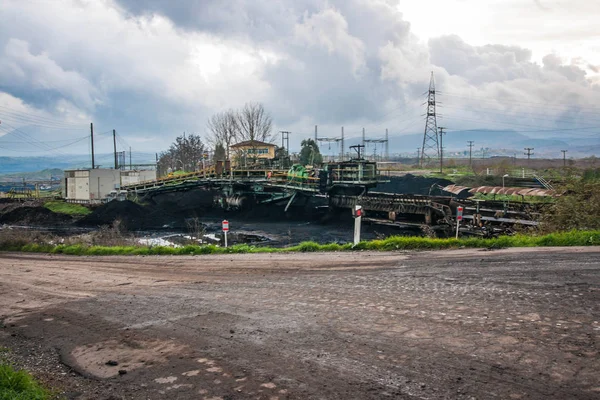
column 98, row 183
column 137, row 176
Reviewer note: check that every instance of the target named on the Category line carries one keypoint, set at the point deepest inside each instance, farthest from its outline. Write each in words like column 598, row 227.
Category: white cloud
column 153, row 69
column 328, row 29
column 20, row 68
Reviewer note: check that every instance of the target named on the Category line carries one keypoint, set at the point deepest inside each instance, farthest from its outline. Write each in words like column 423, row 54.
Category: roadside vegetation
column 19, row 385
column 577, row 208
column 62, row 207
column 571, row 238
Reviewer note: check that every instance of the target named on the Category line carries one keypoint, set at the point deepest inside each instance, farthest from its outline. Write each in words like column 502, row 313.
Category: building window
column 258, row 151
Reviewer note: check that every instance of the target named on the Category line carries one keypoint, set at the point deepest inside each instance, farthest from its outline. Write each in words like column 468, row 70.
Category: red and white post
column 357, row 220
column 225, row 230
column 459, row 217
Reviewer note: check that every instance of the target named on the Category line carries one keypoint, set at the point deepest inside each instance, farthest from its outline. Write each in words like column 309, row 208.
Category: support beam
column 115, row 148
column 92, row 139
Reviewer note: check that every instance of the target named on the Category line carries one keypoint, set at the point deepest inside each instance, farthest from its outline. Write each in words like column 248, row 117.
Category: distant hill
column 45, row 174
column 499, row 142
column 11, row 165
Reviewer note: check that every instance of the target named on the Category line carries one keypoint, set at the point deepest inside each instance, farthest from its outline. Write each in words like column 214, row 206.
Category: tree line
column 250, row 123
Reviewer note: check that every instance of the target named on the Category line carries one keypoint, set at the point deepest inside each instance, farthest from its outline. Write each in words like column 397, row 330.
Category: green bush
column 577, row 208
column 19, row 385
column 307, row 247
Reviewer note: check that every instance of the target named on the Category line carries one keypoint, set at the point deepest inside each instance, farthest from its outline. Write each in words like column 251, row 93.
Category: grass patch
column 19, row 385
column 571, row 238
column 62, row 207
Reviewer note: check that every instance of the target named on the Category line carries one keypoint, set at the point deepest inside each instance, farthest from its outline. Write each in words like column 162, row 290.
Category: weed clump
column 19, row 385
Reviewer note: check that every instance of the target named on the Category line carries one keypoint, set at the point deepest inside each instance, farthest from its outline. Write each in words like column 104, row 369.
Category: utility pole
column 316, row 136
column 430, row 147
column 335, row 140
column 285, row 140
column 92, row 138
column 115, row 148
column 342, row 148
column 529, row 153
column 470, row 152
column 564, row 158
column 375, row 141
column 130, row 165
column 387, row 146
column 363, row 138
column 441, row 128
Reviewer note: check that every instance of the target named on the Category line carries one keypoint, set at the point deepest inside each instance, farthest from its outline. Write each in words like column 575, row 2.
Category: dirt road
column 508, row 324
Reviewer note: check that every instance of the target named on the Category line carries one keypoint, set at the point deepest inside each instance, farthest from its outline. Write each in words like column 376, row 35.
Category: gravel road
column 463, row 324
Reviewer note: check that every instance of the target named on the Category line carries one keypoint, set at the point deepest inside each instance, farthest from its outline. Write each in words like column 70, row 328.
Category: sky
column 154, row 69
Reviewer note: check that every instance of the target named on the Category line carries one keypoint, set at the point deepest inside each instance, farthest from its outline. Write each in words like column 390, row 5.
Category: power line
column 71, row 142
column 36, row 118
column 506, row 114
column 511, row 101
column 28, row 139
column 31, row 123
column 45, row 141
column 498, row 122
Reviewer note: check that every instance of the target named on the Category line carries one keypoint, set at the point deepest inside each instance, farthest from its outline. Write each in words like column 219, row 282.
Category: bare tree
column 224, row 130
column 166, row 163
column 184, row 154
column 254, row 123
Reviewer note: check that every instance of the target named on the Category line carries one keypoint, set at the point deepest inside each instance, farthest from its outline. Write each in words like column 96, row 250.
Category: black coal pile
column 34, row 215
column 412, row 184
column 131, row 215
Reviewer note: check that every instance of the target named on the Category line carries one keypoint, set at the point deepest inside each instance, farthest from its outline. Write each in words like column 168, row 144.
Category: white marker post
column 357, row 219
column 459, row 217
column 225, row 230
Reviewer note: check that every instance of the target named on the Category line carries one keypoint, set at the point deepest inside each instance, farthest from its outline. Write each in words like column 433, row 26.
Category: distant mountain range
column 46, row 165
column 506, row 142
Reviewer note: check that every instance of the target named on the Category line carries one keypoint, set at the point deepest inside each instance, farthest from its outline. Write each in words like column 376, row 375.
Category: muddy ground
column 464, row 324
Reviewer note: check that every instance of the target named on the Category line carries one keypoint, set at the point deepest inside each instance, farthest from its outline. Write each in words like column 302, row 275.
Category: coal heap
column 33, row 215
column 131, row 215
column 411, row 184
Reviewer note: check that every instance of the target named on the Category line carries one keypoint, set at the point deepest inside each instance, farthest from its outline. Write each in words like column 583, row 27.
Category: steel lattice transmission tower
column 431, row 147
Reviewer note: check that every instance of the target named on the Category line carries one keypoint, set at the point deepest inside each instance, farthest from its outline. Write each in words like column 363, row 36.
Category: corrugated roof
column 455, row 189
column 515, row 191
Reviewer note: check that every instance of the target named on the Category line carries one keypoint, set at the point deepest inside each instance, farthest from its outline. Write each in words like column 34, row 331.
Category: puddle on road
column 129, row 355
